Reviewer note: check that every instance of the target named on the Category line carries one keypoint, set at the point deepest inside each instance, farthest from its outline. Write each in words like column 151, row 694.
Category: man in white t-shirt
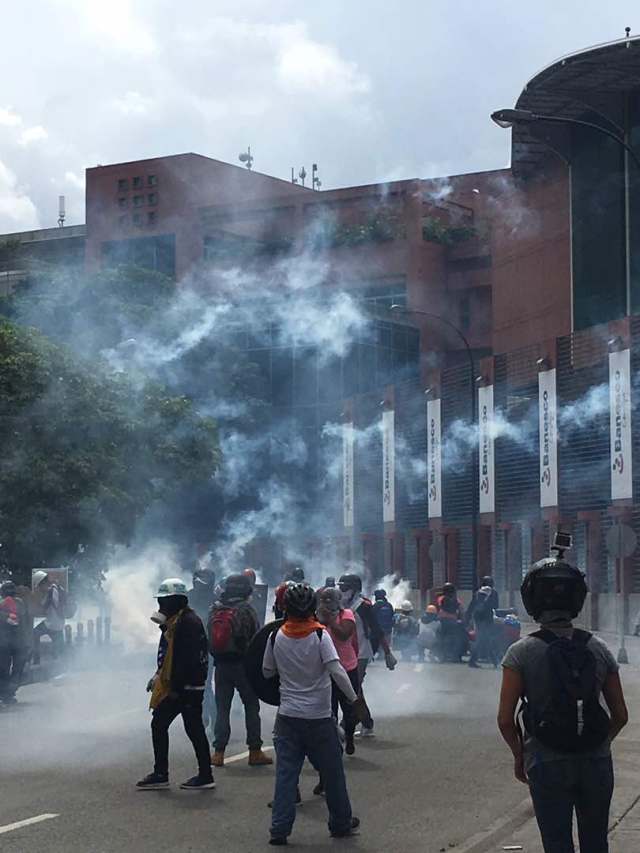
column 304, row 656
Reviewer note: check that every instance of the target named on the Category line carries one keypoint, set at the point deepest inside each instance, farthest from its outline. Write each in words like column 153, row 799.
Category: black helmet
column 8, row 588
column 380, row 594
column 299, row 599
column 553, row 584
column 329, row 581
column 297, row 575
column 448, row 589
column 487, row 580
column 236, row 587
column 352, row 582
column 204, row 576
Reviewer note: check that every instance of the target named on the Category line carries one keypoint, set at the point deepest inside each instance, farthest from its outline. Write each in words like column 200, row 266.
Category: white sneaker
column 368, row 732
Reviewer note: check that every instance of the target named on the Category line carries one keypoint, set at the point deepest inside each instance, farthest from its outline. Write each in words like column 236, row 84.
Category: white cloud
column 76, row 181
column 8, row 118
column 32, row 134
column 307, row 67
column 17, row 210
column 133, row 104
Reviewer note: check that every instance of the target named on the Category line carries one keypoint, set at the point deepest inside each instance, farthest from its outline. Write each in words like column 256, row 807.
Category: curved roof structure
column 589, row 84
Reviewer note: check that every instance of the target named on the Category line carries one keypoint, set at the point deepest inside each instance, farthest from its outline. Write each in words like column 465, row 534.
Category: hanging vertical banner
column 620, row 424
column 547, row 409
column 388, row 467
column 486, row 458
column 434, row 458
column 347, row 474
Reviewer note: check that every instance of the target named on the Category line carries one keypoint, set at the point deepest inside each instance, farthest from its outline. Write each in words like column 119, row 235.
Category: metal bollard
column 91, row 634
column 99, row 630
column 68, row 634
column 107, row 629
column 80, row 632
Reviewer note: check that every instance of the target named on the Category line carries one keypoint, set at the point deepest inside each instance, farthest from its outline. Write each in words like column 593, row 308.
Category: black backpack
column 571, row 720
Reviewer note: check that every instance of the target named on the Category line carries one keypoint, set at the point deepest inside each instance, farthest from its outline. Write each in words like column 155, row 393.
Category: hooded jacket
column 189, row 661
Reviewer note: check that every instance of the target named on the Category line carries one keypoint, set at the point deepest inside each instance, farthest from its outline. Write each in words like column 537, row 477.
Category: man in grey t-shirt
column 553, row 593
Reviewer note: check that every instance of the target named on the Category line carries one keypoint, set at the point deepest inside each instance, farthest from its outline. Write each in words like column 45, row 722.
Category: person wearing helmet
column 370, row 637
column 14, row 641
column 304, row 656
column 232, row 625
column 51, row 598
column 405, row 630
column 482, row 612
column 452, row 635
column 384, row 613
column 427, row 639
column 561, row 673
column 201, row 598
column 178, row 685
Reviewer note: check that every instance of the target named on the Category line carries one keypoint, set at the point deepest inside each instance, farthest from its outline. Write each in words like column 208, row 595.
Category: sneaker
column 217, row 758
column 278, row 840
column 198, row 783
column 319, row 790
column 345, row 833
column 153, row 782
column 368, row 732
column 350, row 746
column 257, row 758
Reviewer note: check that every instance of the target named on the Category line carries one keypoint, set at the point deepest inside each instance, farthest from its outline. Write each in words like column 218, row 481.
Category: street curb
column 499, row 829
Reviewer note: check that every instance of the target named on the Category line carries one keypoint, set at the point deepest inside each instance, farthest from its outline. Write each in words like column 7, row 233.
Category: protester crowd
column 561, row 701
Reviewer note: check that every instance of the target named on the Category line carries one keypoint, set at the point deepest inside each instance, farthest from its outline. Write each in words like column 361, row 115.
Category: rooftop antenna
column 627, row 31
column 302, row 174
column 61, row 211
column 246, row 157
column 294, row 180
column 316, row 183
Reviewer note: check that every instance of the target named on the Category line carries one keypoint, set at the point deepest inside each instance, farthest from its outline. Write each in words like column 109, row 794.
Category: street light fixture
column 401, row 309
column 509, row 118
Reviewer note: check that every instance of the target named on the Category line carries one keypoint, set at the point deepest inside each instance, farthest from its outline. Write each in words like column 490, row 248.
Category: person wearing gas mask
column 178, row 685
column 201, row 598
column 369, row 635
column 405, row 631
column 561, row 673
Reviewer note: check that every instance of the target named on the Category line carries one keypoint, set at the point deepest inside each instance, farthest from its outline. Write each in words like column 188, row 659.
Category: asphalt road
column 435, row 774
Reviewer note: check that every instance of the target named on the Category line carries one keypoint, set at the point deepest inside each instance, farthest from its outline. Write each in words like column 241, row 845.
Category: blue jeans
column 559, row 787
column 295, row 739
column 209, row 703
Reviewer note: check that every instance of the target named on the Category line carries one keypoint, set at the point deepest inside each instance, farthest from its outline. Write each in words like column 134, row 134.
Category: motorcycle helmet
column 351, row 583
column 553, row 584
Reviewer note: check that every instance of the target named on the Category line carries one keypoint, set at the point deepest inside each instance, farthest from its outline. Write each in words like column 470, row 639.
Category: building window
column 123, row 203
column 152, row 198
column 137, row 183
column 123, row 185
column 152, row 180
column 138, row 200
column 152, row 217
column 137, row 219
column 122, row 221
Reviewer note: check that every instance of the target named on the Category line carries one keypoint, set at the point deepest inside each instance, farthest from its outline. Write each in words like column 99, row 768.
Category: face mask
column 347, row 596
column 158, row 618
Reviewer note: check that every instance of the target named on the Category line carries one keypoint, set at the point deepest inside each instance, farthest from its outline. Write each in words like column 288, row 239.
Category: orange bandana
column 297, row 628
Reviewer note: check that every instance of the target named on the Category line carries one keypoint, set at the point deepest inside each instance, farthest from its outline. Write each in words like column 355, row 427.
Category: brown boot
column 217, row 758
column 257, row 758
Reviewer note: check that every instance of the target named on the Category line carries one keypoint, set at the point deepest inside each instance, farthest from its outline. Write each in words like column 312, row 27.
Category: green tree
column 86, row 454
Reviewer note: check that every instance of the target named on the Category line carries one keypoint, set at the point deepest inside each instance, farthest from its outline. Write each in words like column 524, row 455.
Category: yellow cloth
column 162, row 684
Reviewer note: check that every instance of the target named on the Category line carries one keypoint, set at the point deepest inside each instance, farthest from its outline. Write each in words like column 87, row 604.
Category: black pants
column 12, row 662
column 57, row 641
column 339, row 699
column 367, row 720
column 189, row 704
column 228, row 678
column 560, row 787
column 485, row 646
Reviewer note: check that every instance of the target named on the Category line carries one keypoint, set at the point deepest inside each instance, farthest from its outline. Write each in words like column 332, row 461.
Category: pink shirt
column 347, row 649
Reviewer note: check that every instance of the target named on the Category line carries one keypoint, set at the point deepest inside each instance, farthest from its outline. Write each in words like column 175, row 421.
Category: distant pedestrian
column 178, row 685
column 428, row 637
column 452, row 635
column 232, row 626
column 201, row 598
column 52, row 598
column 384, row 611
column 561, row 672
column 303, row 655
column 14, row 641
column 405, row 631
column 481, row 611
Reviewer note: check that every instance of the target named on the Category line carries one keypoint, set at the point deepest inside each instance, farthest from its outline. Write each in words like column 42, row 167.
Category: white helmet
column 406, row 606
column 171, row 586
column 38, row 577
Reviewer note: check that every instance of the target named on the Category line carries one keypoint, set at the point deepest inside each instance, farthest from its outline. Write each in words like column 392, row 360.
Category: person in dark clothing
column 481, row 611
column 201, row 598
column 232, row 625
column 178, row 685
column 14, row 641
column 384, row 613
column 453, row 638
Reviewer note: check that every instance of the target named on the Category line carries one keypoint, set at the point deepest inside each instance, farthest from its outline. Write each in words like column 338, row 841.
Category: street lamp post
column 474, row 460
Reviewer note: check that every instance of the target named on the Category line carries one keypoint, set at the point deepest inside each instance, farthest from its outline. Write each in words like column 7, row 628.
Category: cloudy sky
column 368, row 89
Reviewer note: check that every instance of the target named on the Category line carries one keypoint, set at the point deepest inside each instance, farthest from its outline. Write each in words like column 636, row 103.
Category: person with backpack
column 177, row 687
column 53, row 600
column 14, row 641
column 232, row 625
column 201, row 598
column 559, row 674
column 452, row 635
column 384, row 613
column 303, row 656
column 481, row 611
column 369, row 635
